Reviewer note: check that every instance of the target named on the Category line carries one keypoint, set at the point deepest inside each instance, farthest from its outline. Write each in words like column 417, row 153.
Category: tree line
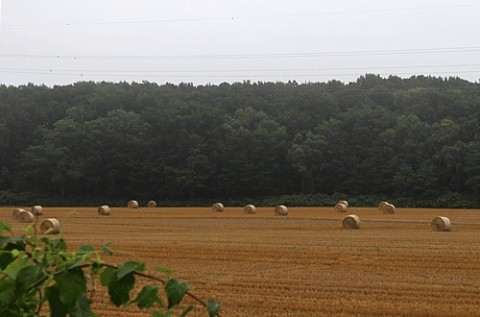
column 415, row 140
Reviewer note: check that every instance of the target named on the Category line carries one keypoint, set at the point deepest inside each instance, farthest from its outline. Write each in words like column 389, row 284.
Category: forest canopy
column 416, row 140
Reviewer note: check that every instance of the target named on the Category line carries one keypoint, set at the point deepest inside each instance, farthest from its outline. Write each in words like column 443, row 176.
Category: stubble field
column 303, row 264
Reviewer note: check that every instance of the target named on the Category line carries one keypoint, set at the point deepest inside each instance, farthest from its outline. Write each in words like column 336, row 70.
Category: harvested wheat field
column 304, row 264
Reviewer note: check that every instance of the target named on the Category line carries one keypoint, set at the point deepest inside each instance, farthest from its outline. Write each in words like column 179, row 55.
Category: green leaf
column 147, row 297
column 164, row 269
column 175, row 290
column 8, row 257
column 213, row 308
column 15, row 240
column 56, row 245
column 84, row 251
column 107, row 275
column 5, row 226
column 57, row 308
column 129, row 267
column 186, row 311
column 7, row 292
column 106, row 248
column 15, row 253
column 6, row 285
column 72, row 286
column 119, row 289
column 82, row 308
column 26, row 277
column 13, row 268
column 5, row 259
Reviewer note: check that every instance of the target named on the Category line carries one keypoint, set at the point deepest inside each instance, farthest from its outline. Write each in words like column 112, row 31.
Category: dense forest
column 414, row 142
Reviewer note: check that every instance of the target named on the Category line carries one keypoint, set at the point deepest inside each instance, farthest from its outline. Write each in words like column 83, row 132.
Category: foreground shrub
column 39, row 275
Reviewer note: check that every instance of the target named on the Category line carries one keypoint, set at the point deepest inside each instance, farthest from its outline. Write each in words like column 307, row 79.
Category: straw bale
column 281, row 210
column 104, row 210
column 441, row 224
column 249, row 209
column 152, row 204
column 388, row 209
column 351, row 222
column 132, row 204
column 15, row 213
column 343, row 202
column 341, row 207
column 218, row 207
column 382, row 205
column 25, row 216
column 37, row 210
column 50, row 226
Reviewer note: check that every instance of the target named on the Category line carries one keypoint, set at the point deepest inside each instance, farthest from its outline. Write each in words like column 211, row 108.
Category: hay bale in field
column 281, row 210
column 25, row 216
column 351, row 222
column 218, row 207
column 37, row 210
column 343, row 202
column 132, row 204
column 441, row 224
column 50, row 226
column 341, row 206
column 152, row 204
column 388, row 209
column 382, row 205
column 104, row 210
column 249, row 209
column 15, row 213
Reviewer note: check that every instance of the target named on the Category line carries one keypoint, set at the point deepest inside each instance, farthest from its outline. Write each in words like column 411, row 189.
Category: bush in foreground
column 39, row 275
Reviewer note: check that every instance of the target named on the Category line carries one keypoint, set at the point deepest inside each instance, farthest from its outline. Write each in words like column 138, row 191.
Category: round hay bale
column 132, row 204
column 50, row 226
column 351, row 222
column 152, row 204
column 388, row 209
column 104, row 210
column 343, row 202
column 441, row 224
column 250, row 209
column 15, row 213
column 281, row 210
column 218, row 207
column 37, row 210
column 25, row 216
column 382, row 205
column 341, row 207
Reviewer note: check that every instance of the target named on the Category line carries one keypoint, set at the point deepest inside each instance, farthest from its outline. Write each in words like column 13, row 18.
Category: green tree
column 252, row 153
column 472, row 167
column 307, row 156
column 57, row 160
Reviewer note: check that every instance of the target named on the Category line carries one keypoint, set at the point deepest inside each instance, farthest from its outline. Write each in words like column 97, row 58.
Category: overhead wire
column 234, row 18
column 85, row 74
column 44, row 70
column 216, row 73
column 436, row 50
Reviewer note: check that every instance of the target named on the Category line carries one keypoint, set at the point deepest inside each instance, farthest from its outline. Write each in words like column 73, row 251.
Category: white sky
column 212, row 41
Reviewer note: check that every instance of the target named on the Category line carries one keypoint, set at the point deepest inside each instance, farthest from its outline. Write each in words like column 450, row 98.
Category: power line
column 233, row 18
column 231, row 76
column 437, row 50
column 367, row 68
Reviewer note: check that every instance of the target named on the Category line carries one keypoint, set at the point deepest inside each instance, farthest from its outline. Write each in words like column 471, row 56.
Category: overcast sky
column 213, row 41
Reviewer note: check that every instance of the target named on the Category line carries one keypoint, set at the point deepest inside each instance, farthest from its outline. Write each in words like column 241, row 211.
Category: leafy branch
column 37, row 272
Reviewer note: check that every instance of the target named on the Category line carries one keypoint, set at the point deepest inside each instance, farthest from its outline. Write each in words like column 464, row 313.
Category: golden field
column 304, row 264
